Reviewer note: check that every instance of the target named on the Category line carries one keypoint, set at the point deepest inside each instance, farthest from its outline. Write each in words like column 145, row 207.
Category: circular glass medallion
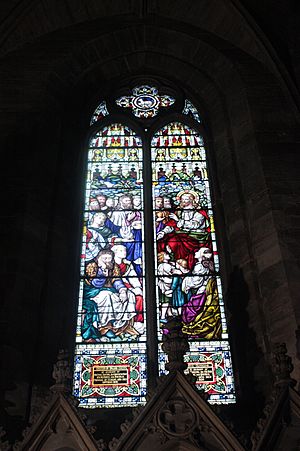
column 145, row 102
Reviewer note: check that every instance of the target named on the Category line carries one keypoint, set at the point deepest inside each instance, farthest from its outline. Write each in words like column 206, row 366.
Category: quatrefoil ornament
column 177, row 417
column 145, row 101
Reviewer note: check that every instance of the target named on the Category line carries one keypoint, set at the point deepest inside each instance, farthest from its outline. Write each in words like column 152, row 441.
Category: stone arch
column 238, row 101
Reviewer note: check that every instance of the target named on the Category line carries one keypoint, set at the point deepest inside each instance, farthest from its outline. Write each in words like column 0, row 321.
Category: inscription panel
column 112, row 375
column 203, row 371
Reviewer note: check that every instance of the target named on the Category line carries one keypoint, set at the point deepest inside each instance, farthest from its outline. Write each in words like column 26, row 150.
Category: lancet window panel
column 110, row 364
column 188, row 283
column 174, row 235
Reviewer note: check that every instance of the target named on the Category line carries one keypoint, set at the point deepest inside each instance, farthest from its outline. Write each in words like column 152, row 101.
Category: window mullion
column 152, row 348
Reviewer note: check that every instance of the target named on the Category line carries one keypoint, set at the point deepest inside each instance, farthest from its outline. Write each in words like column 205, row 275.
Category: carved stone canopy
column 176, row 418
column 58, row 427
column 279, row 427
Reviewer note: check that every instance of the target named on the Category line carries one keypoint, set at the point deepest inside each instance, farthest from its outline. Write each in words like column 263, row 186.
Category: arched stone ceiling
column 54, row 64
column 59, row 27
column 29, row 20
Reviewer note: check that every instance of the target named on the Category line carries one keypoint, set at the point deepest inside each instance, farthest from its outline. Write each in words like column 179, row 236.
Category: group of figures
column 111, row 328
column 113, row 283
column 186, row 281
column 113, row 294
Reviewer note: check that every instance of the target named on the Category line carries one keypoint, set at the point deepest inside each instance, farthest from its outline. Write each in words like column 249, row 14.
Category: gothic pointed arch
column 148, row 234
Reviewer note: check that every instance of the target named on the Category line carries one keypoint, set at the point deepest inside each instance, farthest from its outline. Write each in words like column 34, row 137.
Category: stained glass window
column 188, row 282
column 112, row 343
column 99, row 113
column 190, row 110
column 110, row 365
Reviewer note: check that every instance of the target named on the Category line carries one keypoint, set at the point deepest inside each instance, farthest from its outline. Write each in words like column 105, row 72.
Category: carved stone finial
column 175, row 345
column 62, row 373
column 282, row 365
